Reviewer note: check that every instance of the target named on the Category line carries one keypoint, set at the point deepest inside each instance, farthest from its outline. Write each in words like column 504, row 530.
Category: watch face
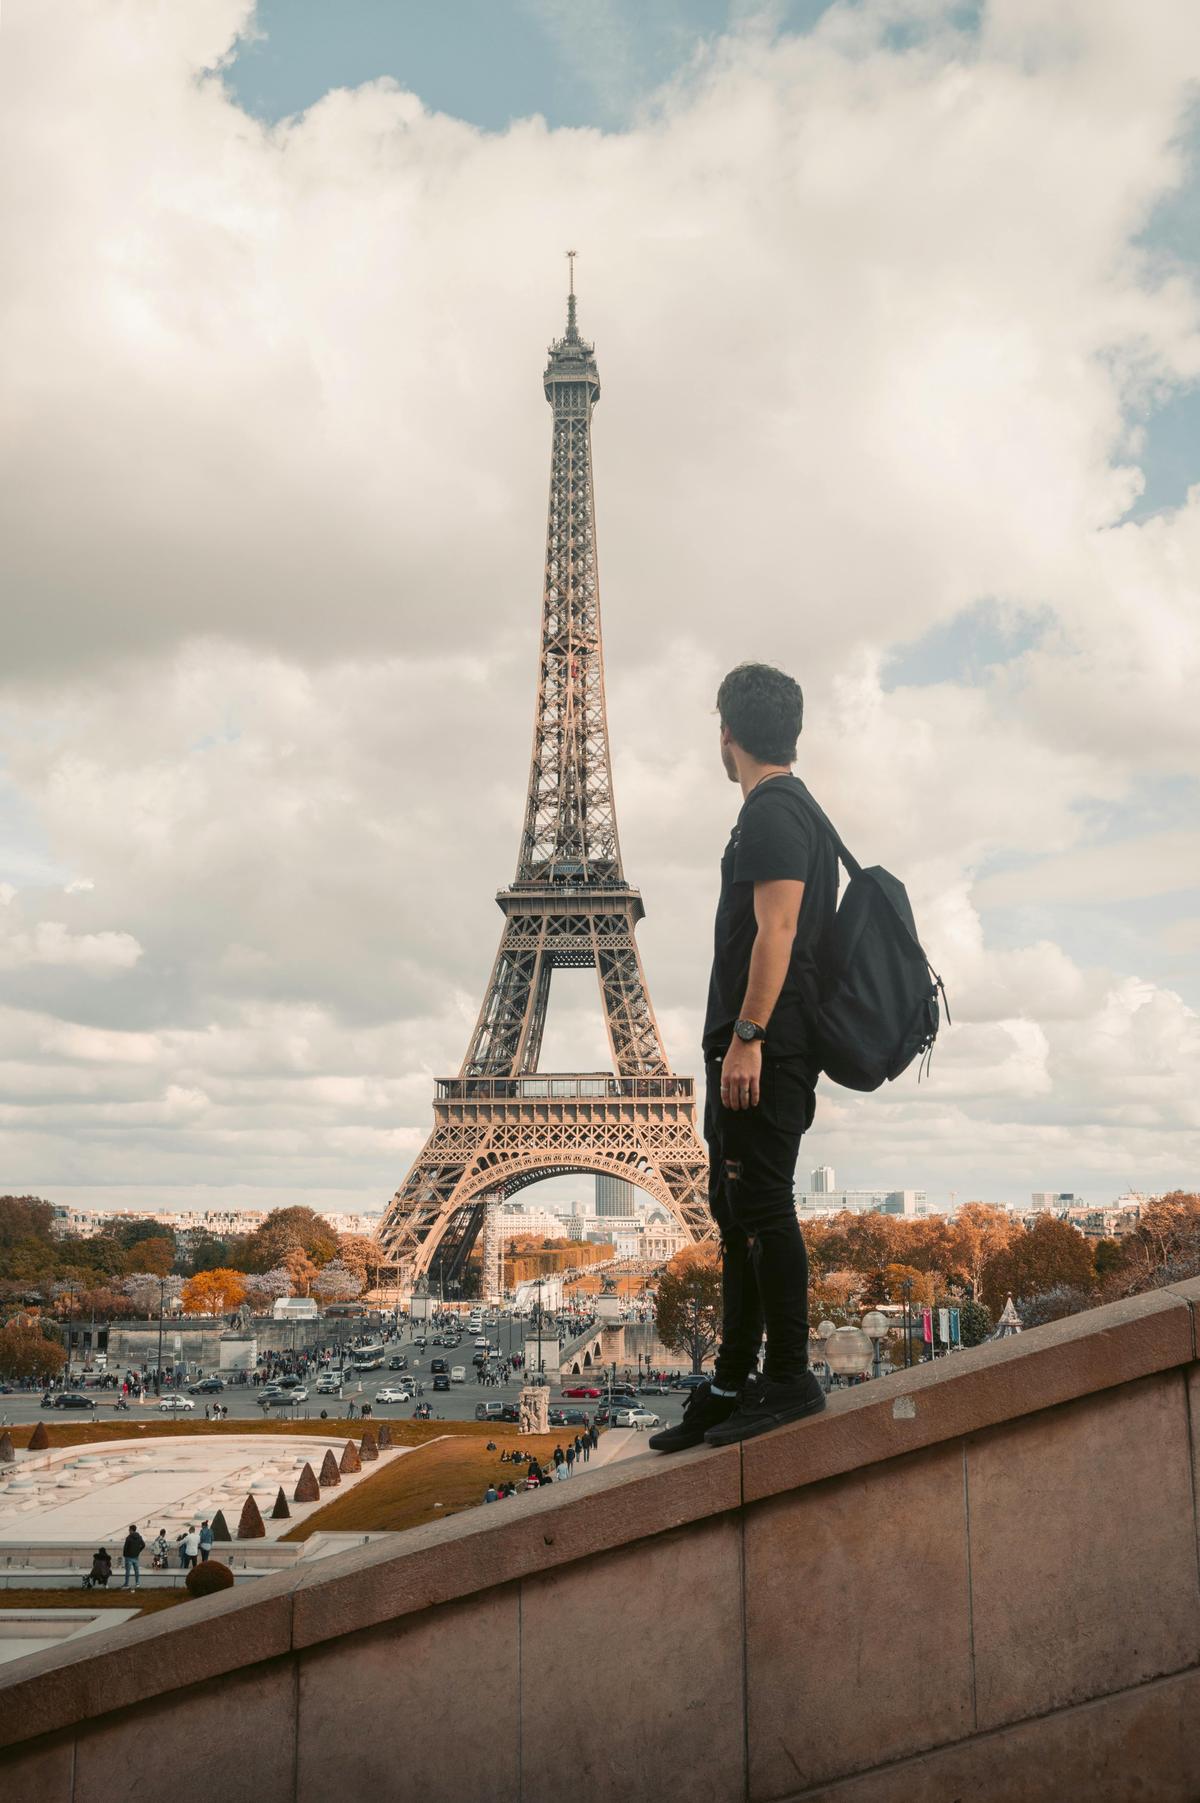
column 744, row 1030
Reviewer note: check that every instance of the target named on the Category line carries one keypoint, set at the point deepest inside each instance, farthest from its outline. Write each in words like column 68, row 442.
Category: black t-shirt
column 775, row 837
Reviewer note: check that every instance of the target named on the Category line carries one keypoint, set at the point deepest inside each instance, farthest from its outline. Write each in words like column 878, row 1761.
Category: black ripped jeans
column 752, row 1156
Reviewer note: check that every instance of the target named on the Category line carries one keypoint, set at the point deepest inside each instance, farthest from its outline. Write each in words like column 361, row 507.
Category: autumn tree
column 688, row 1310
column 301, row 1270
column 1049, row 1253
column 214, row 1292
column 978, row 1232
column 284, row 1231
column 25, row 1350
column 362, row 1255
column 155, row 1254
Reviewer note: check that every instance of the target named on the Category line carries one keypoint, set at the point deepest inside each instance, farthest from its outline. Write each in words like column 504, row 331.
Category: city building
column 861, row 1201
column 614, row 1196
column 822, row 1180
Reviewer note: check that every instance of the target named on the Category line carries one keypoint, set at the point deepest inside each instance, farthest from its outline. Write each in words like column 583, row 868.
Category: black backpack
column 879, row 1007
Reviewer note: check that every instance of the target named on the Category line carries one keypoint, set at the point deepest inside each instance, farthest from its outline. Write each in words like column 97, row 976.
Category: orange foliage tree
column 214, row 1292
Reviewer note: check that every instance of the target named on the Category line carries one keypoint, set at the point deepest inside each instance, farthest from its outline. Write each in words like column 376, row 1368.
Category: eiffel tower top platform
column 501, row 1123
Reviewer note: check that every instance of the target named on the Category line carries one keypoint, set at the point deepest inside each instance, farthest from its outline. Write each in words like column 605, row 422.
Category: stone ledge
column 634, row 1501
column 164, row 1652
column 531, row 1533
column 1001, row 1380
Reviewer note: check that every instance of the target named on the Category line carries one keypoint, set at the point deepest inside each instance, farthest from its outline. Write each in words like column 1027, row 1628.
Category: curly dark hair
column 764, row 711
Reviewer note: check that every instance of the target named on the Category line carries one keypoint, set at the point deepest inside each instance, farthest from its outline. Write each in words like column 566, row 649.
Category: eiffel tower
column 501, row 1124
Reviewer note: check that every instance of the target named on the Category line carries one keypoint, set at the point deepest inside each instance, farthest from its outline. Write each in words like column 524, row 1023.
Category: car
column 208, row 1386
column 690, row 1381
column 282, row 1399
column 489, row 1411
column 584, row 1391
column 329, row 1386
column 291, row 1383
column 458, row 1374
column 421, row 1341
column 654, row 1389
column 441, row 1381
column 438, row 1367
column 437, row 1339
column 635, row 1418
column 394, row 1393
column 172, row 1404
column 399, row 1363
column 71, row 1399
column 573, row 1417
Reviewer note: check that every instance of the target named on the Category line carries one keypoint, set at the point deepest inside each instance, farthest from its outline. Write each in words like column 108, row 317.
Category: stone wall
column 974, row 1580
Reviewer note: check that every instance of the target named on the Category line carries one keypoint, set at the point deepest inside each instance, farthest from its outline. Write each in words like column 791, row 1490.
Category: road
column 457, row 1404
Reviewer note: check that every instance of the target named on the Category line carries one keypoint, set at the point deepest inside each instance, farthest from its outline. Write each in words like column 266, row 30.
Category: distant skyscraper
column 822, row 1180
column 614, row 1196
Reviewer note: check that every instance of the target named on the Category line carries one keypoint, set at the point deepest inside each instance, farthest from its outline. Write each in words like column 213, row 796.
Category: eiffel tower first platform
column 501, row 1124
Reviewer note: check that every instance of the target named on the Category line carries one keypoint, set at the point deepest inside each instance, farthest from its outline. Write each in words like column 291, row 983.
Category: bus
column 366, row 1358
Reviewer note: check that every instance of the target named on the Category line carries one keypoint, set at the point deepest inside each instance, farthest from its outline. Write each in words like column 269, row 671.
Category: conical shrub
column 251, row 1526
column 8, row 1452
column 281, row 1512
column 220, row 1527
column 307, row 1488
column 329, row 1470
column 39, row 1439
column 350, row 1460
column 385, row 1436
column 367, row 1448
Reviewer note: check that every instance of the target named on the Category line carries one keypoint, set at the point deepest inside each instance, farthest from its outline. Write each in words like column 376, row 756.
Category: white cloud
column 870, row 326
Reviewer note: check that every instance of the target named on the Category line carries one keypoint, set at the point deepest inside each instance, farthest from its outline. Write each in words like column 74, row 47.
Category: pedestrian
column 160, row 1553
column 772, row 944
column 206, row 1542
column 191, row 1546
column 570, row 1457
column 131, row 1552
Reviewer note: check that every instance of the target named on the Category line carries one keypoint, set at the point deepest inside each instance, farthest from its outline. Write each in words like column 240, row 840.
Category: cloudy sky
column 897, row 313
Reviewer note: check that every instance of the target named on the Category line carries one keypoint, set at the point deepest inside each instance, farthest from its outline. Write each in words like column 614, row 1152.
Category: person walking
column 206, row 1542
column 570, row 1459
column 131, row 1552
column 773, row 939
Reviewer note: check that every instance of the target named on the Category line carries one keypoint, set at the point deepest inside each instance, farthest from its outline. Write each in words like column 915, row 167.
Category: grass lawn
column 453, row 1474
column 149, row 1602
column 404, row 1433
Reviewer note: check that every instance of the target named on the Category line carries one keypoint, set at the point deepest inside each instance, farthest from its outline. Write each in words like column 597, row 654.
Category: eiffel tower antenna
column 500, row 1125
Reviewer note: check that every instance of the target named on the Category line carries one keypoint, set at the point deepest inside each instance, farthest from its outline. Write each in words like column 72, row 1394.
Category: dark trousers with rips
column 752, row 1156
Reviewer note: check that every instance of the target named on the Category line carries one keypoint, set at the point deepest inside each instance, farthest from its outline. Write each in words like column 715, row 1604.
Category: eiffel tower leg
column 633, row 1035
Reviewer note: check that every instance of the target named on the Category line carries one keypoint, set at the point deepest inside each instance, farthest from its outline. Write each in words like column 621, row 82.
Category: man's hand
column 741, row 1070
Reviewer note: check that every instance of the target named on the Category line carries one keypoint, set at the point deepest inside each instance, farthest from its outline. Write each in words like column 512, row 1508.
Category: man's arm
column 776, row 911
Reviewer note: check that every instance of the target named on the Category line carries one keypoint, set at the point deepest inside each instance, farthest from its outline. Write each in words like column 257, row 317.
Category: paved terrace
column 975, row 1580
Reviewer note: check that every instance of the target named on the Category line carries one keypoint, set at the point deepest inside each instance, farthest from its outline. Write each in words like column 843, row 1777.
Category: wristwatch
column 749, row 1029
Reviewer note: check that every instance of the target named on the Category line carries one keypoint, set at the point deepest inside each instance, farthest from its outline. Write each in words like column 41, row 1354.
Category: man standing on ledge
column 773, row 936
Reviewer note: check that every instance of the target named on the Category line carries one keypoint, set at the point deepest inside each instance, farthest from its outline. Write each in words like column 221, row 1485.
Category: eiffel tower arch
column 501, row 1123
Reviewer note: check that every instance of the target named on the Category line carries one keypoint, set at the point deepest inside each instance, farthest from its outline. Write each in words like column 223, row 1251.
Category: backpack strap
column 817, row 811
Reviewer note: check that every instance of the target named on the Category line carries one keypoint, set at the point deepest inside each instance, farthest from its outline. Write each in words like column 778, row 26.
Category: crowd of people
column 560, row 1466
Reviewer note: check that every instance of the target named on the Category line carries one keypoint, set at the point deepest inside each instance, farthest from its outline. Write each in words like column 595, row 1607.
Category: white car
column 394, row 1393
column 635, row 1418
column 458, row 1374
column 170, row 1404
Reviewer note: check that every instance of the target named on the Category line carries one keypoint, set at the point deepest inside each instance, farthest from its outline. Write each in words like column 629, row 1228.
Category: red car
column 582, row 1390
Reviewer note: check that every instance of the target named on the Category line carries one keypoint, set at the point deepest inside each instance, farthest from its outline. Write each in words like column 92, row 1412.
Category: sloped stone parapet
column 1027, row 1508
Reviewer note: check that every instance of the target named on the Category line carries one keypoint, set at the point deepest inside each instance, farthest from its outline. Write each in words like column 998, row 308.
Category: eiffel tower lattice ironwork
column 500, row 1124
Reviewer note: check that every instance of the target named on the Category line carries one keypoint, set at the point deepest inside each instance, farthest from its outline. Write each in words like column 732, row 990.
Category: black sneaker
column 701, row 1411
column 763, row 1405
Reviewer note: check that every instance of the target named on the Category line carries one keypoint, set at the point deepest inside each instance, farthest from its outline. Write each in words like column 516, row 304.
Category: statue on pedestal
column 533, row 1410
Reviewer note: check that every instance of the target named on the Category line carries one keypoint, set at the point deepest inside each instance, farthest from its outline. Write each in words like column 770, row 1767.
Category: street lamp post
column 162, row 1291
column 906, row 1286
